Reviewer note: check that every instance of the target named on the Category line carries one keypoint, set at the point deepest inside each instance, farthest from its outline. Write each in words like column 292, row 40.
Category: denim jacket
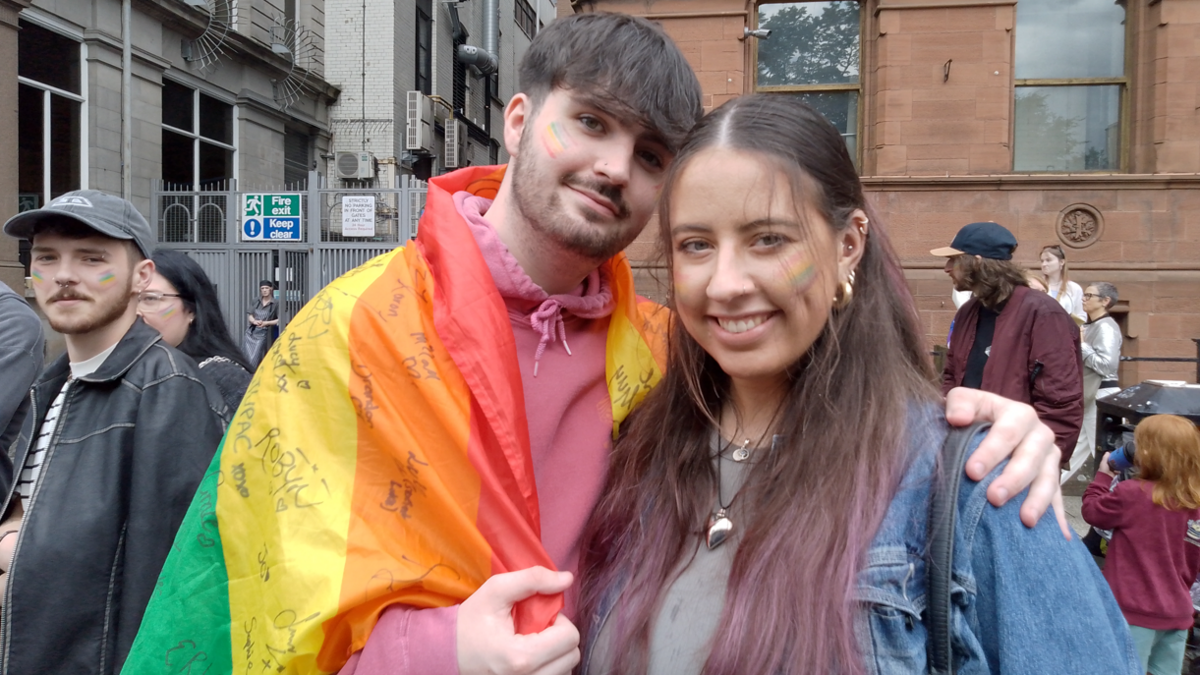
column 1024, row 600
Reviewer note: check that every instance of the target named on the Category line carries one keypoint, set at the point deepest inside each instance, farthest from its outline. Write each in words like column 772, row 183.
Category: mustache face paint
column 556, row 139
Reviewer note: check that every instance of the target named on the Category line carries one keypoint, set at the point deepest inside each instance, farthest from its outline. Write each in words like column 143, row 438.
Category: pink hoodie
column 561, row 349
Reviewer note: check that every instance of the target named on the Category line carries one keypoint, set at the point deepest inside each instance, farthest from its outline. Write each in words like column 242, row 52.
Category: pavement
column 1073, row 506
column 1073, row 499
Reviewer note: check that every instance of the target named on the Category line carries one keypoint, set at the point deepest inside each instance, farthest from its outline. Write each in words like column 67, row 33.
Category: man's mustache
column 607, row 190
column 67, row 295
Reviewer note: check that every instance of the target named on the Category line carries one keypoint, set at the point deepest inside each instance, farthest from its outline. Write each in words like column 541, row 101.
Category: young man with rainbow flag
column 424, row 443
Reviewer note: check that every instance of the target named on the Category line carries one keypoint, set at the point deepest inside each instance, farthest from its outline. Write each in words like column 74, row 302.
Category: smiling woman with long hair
column 766, row 508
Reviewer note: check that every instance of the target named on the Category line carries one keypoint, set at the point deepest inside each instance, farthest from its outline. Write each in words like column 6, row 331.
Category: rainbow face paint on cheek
column 107, row 278
column 556, row 139
column 800, row 271
column 37, row 276
column 166, row 312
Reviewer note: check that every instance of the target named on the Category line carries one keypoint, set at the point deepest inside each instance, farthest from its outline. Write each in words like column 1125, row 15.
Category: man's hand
column 487, row 641
column 1015, row 431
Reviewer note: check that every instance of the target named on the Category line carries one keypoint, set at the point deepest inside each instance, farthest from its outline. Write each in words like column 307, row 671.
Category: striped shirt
column 33, row 463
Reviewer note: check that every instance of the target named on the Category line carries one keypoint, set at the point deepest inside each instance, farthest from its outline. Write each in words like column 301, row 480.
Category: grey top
column 681, row 637
column 21, row 347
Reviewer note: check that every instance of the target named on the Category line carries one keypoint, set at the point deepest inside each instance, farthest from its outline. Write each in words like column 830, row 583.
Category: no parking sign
column 271, row 217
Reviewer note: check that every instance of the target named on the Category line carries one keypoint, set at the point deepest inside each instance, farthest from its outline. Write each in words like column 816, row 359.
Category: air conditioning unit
column 456, row 144
column 354, row 165
column 418, row 130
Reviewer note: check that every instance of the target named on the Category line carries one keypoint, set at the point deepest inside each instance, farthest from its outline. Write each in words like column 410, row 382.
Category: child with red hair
column 1154, row 555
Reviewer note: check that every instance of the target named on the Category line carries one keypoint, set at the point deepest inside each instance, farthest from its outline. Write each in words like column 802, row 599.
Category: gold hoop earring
column 844, row 294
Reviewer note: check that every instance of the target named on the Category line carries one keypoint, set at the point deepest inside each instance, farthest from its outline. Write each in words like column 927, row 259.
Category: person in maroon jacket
column 1009, row 339
column 1155, row 551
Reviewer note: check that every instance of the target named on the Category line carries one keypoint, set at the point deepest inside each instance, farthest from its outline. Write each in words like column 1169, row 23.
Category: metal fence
column 207, row 225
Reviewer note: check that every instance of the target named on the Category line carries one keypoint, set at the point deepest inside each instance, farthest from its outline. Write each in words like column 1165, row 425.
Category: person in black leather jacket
column 120, row 432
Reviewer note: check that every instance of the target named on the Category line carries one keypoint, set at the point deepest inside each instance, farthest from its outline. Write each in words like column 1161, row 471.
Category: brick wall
column 937, row 153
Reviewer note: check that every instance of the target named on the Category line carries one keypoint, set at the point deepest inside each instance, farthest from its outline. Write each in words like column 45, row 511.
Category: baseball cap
column 986, row 240
column 107, row 214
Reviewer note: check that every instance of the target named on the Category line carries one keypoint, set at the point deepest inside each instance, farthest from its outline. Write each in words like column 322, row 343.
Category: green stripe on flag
column 186, row 625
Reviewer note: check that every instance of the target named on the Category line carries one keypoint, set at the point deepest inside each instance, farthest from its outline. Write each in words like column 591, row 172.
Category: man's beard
column 100, row 314
column 539, row 203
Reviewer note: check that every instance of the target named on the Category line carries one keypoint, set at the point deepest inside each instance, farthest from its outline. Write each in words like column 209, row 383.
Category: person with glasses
column 1100, row 347
column 181, row 304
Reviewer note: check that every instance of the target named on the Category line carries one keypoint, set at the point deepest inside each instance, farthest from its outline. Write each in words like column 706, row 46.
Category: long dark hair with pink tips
column 812, row 506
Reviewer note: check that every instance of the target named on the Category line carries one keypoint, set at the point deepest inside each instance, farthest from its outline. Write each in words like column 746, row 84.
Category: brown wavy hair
column 991, row 280
column 1168, row 454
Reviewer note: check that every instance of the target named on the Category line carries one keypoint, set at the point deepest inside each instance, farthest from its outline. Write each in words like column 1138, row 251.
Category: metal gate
column 207, row 225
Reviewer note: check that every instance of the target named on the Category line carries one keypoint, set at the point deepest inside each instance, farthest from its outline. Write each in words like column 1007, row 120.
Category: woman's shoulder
column 224, row 368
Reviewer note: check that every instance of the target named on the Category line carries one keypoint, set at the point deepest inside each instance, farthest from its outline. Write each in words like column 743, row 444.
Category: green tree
column 810, row 46
column 1045, row 140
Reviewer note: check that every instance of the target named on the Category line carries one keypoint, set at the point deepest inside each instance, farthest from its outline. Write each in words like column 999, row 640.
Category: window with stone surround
column 50, row 148
column 1070, row 85
column 197, row 138
column 813, row 53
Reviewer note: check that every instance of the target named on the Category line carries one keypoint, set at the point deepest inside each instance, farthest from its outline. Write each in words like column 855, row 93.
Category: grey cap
column 107, row 214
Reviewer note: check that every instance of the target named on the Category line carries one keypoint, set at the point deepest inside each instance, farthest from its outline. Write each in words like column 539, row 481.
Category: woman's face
column 1092, row 302
column 1051, row 265
column 754, row 273
column 165, row 313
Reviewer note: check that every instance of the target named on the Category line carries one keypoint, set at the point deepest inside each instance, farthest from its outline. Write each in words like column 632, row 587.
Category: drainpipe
column 486, row 59
column 491, row 29
column 126, row 100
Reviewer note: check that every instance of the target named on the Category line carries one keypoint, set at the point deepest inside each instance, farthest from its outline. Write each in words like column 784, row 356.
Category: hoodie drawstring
column 547, row 320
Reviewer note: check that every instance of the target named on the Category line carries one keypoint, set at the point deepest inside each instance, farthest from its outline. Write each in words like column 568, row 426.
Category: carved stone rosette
column 1079, row 225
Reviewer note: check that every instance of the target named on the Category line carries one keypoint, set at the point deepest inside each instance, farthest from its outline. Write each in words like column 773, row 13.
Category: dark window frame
column 855, row 87
column 423, row 45
column 58, row 93
column 1123, row 101
column 525, row 18
column 205, row 151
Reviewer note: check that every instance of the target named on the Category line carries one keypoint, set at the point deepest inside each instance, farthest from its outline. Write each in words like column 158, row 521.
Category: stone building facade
column 1071, row 123
column 376, row 58
column 212, row 90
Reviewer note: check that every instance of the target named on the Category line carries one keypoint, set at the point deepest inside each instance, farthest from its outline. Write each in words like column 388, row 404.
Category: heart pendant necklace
column 719, row 528
column 719, row 524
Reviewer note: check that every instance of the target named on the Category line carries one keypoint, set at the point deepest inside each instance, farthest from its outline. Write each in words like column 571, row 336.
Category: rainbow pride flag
column 380, row 456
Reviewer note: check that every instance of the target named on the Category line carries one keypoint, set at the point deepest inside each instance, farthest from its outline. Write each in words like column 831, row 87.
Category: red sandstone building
column 1068, row 121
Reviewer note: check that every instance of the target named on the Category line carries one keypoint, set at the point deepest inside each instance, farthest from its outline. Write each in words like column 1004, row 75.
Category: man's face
column 954, row 269
column 584, row 178
column 81, row 284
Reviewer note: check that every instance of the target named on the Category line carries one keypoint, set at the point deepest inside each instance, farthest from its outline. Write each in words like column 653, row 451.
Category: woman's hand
column 1103, row 468
column 1016, row 432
